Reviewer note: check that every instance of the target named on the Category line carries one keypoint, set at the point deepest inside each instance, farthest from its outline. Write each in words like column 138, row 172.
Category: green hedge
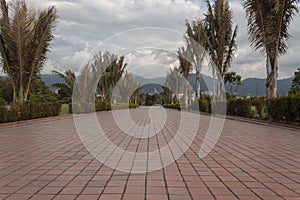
column 172, row 106
column 100, row 106
column 285, row 108
column 260, row 105
column 240, row 107
column 31, row 110
column 203, row 104
column 8, row 114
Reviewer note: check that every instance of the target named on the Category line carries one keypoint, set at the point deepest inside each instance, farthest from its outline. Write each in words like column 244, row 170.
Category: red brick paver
column 47, row 160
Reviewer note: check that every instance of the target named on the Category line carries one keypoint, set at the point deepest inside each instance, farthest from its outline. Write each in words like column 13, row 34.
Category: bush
column 218, row 107
column 285, row 108
column 3, row 114
column 260, row 105
column 173, row 106
column 240, row 107
column 203, row 105
column 33, row 109
column 102, row 106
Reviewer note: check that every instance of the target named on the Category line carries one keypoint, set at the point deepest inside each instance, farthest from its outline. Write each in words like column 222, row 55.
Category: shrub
column 240, row 107
column 102, row 106
column 218, row 107
column 3, row 114
column 285, row 108
column 172, row 106
column 260, row 105
column 33, row 109
column 203, row 104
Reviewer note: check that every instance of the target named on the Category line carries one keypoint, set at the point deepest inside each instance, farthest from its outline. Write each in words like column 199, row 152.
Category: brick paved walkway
column 47, row 161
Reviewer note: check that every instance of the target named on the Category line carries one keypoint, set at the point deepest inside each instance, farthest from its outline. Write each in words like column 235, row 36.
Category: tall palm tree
column 173, row 82
column 221, row 44
column 196, row 40
column 268, row 24
column 111, row 68
column 69, row 80
column 127, row 88
column 24, row 43
column 185, row 67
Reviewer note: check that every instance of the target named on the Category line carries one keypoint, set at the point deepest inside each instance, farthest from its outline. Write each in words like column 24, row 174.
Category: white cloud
column 83, row 24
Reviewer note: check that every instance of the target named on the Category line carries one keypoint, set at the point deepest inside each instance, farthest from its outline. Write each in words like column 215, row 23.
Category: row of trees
column 25, row 37
column 104, row 75
column 214, row 37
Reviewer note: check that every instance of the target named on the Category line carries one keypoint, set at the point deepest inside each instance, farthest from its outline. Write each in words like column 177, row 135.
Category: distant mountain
column 250, row 86
column 50, row 79
column 257, row 87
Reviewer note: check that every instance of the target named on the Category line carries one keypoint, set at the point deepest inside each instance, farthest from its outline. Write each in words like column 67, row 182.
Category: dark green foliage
column 295, row 88
column 203, row 105
column 102, row 106
column 239, row 107
column 6, row 90
column 8, row 114
column 33, row 109
column 285, row 108
column 173, row 106
column 260, row 105
column 218, row 107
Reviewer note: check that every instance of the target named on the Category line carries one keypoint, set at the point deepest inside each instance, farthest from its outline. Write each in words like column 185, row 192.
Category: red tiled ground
column 46, row 160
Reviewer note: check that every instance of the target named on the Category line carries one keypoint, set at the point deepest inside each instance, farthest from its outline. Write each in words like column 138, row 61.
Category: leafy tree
column 268, row 25
column 24, row 42
column 127, row 86
column 196, row 40
column 173, row 82
column 184, row 57
column 234, row 79
column 112, row 68
column 65, row 89
column 6, row 91
column 221, row 44
column 295, row 88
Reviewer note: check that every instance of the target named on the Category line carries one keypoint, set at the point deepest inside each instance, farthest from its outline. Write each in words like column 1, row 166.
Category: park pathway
column 47, row 160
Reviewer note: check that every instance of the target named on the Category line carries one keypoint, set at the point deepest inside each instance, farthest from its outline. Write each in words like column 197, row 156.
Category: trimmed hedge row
column 99, row 106
column 172, row 106
column 285, row 108
column 31, row 110
column 8, row 114
column 240, row 107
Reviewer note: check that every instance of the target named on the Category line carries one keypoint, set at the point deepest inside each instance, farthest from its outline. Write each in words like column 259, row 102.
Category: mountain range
column 250, row 86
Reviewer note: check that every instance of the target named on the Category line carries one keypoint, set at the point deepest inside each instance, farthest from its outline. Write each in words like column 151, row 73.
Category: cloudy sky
column 88, row 26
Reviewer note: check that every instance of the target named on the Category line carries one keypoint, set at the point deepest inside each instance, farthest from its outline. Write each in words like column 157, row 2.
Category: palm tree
column 173, row 82
column 185, row 66
column 127, row 88
column 221, row 44
column 69, row 81
column 268, row 24
column 24, row 43
column 196, row 40
column 110, row 69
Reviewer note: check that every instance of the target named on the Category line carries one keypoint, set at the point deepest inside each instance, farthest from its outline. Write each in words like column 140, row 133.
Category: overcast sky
column 84, row 24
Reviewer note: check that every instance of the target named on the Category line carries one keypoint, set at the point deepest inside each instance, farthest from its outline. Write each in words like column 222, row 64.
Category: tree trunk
column 186, row 94
column 220, row 89
column 272, row 76
column 198, row 82
column 21, row 96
